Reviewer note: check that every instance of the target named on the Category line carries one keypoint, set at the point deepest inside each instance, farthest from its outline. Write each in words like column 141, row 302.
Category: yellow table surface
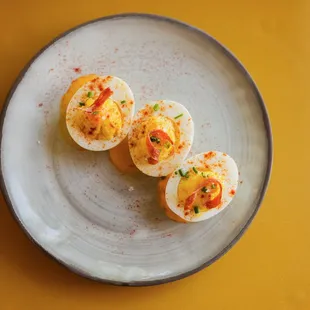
column 269, row 268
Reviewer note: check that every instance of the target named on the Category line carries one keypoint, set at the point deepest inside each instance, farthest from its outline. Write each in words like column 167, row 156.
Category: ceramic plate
column 76, row 205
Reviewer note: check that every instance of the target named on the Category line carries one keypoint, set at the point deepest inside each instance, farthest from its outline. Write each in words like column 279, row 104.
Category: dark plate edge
column 266, row 122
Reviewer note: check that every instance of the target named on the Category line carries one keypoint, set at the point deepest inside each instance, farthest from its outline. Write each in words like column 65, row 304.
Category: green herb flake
column 213, row 186
column 90, row 94
column 195, row 170
column 167, row 145
column 204, row 190
column 178, row 116
column 155, row 139
column 82, row 104
column 156, row 107
column 182, row 174
column 175, row 172
column 196, row 209
column 96, row 112
column 123, row 101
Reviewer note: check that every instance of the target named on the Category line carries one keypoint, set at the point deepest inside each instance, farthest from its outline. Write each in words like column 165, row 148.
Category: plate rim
column 266, row 119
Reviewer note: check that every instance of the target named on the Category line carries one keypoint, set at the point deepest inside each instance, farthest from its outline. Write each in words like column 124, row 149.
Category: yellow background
column 269, row 268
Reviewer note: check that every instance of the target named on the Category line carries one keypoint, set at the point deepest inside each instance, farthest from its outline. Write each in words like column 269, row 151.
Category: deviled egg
column 100, row 113
column 199, row 188
column 161, row 137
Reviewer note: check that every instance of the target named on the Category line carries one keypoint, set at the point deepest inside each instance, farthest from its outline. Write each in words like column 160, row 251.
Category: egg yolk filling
column 199, row 191
column 101, row 119
column 154, row 139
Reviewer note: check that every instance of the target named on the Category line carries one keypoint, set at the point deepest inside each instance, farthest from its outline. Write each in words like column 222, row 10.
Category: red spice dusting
column 145, row 113
column 209, row 155
column 91, row 131
column 100, row 86
column 178, row 123
column 202, row 196
column 232, row 192
column 91, row 87
column 40, row 105
column 77, row 70
column 94, row 80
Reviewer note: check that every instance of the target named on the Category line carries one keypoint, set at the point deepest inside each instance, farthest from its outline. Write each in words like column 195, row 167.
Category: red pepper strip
column 153, row 151
column 104, row 95
column 216, row 200
column 210, row 203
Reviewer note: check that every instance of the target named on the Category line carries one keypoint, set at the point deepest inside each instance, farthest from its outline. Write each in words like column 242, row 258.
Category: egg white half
column 121, row 93
column 171, row 110
column 221, row 164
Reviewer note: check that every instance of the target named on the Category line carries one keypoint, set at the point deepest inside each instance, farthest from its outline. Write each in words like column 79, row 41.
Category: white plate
column 76, row 205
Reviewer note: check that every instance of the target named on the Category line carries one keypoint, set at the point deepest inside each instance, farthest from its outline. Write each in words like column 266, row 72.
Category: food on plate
column 74, row 87
column 161, row 137
column 99, row 114
column 121, row 159
column 199, row 188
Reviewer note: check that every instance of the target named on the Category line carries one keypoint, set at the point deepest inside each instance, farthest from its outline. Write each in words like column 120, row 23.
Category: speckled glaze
column 76, row 205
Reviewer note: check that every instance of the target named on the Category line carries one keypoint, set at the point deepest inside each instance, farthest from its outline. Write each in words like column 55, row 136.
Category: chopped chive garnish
column 213, row 186
column 81, row 104
column 182, row 174
column 163, row 177
column 196, row 209
column 156, row 107
column 178, row 116
column 96, row 112
column 203, row 175
column 195, row 170
column 175, row 172
column 204, row 190
column 167, row 145
column 155, row 139
column 123, row 101
column 90, row 94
